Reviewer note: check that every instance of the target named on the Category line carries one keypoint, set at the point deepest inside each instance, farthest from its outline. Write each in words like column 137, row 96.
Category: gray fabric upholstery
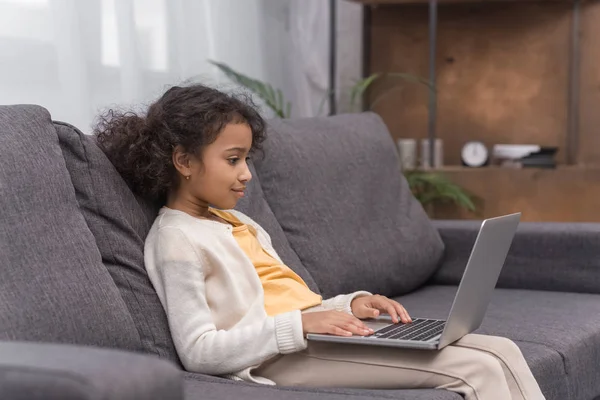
column 335, row 186
column 120, row 226
column 558, row 332
column 255, row 206
column 200, row 387
column 544, row 256
column 53, row 286
column 548, row 367
column 34, row 371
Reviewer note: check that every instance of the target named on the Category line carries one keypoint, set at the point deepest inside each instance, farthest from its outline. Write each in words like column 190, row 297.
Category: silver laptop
column 470, row 303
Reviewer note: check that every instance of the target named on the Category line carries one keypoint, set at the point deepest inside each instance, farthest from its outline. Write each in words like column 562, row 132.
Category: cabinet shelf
column 566, row 193
column 493, row 169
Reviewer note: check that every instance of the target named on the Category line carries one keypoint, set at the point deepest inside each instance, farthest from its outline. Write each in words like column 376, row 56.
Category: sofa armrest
column 32, row 371
column 562, row 257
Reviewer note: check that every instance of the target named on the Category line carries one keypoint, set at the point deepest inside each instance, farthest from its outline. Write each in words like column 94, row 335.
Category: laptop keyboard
column 419, row 329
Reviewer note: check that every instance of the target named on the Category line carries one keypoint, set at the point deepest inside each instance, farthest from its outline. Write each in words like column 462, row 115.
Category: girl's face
column 221, row 178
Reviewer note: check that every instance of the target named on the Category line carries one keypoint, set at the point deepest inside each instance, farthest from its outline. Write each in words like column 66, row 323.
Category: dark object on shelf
column 541, row 159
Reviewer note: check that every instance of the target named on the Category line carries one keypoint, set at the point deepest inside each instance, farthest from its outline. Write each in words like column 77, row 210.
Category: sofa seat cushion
column 559, row 333
column 202, row 387
column 53, row 286
column 335, row 186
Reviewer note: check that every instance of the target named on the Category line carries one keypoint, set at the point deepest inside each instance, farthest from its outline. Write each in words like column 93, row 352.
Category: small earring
column 187, row 177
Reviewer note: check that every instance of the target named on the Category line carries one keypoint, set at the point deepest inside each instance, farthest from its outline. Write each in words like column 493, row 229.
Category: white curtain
column 78, row 57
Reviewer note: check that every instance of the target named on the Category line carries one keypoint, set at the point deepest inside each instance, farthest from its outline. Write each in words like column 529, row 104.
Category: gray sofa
column 80, row 320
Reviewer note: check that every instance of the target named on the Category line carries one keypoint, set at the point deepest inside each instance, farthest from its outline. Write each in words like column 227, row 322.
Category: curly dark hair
column 141, row 146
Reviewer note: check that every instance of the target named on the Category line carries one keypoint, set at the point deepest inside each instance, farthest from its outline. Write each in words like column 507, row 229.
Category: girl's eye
column 233, row 161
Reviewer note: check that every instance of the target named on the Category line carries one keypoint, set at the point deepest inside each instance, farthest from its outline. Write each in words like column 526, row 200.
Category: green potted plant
column 428, row 187
column 431, row 188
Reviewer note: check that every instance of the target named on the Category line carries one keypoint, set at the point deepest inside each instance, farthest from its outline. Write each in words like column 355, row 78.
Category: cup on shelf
column 407, row 150
column 438, row 155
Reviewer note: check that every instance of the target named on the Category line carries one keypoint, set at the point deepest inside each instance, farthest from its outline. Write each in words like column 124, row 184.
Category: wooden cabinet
column 511, row 72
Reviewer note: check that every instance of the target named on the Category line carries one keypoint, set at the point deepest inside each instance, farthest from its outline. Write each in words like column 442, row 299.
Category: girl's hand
column 370, row 306
column 333, row 323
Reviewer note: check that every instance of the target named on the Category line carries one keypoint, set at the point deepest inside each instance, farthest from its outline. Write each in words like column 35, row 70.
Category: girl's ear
column 181, row 161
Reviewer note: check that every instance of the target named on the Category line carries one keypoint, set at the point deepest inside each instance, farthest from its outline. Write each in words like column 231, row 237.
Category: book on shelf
column 524, row 156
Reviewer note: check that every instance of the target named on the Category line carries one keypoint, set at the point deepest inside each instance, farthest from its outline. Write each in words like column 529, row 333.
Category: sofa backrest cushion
column 53, row 286
column 254, row 205
column 120, row 222
column 335, row 186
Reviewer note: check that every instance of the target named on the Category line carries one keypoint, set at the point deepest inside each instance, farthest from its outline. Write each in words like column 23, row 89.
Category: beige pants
column 477, row 366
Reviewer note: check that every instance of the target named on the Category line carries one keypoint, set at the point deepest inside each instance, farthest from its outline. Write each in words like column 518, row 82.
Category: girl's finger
column 410, row 320
column 336, row 330
column 384, row 304
column 374, row 312
column 351, row 323
column 390, row 309
column 368, row 311
column 357, row 322
column 356, row 329
column 404, row 317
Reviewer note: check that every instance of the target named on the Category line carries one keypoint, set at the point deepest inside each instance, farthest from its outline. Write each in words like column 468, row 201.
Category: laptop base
column 377, row 325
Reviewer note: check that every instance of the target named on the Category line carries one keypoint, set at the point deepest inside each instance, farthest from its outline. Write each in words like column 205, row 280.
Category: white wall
column 77, row 57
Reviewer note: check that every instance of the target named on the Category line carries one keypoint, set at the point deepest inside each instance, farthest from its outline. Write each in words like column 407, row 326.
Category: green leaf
column 270, row 93
column 431, row 187
column 412, row 78
column 263, row 90
column 279, row 99
column 358, row 89
column 377, row 99
column 324, row 101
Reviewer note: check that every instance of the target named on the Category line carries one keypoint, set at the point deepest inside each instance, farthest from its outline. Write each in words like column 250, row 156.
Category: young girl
column 234, row 308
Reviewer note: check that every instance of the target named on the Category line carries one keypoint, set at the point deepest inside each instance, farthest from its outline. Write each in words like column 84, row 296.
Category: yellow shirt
column 284, row 290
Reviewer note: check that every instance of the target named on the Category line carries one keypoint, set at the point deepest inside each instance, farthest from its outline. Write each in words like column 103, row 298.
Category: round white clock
column 474, row 154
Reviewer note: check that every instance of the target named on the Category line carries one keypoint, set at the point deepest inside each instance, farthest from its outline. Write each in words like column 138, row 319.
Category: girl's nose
column 246, row 176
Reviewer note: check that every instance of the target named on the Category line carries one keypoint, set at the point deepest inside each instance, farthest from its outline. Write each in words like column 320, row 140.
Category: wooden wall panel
column 589, row 122
column 502, row 72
